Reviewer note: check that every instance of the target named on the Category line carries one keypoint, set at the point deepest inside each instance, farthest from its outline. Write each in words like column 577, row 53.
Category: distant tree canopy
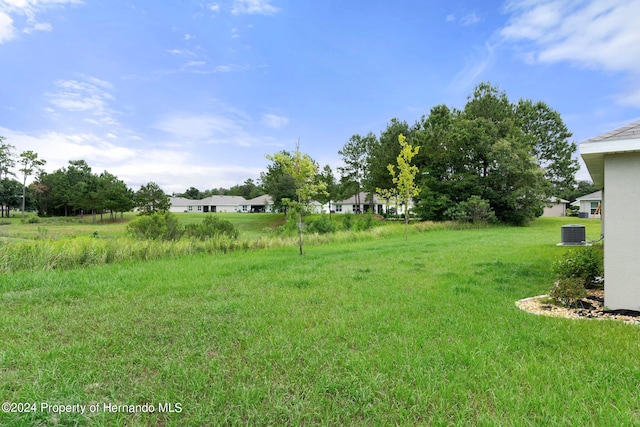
column 75, row 190
column 513, row 155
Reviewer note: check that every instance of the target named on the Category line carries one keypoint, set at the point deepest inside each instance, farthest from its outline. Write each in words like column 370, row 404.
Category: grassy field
column 375, row 331
column 249, row 225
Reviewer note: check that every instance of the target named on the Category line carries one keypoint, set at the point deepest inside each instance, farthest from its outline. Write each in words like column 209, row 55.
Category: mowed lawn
column 373, row 332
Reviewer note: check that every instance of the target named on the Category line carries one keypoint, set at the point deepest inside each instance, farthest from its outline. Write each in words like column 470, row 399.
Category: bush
column 568, row 290
column 572, row 211
column 347, row 221
column 584, row 263
column 159, row 225
column 475, row 210
column 30, row 219
column 212, row 227
column 365, row 222
column 322, row 225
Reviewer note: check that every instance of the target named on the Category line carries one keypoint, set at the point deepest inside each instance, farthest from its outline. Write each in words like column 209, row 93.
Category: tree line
column 511, row 155
column 508, row 157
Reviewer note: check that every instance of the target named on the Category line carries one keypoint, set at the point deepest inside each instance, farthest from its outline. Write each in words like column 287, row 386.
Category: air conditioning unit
column 573, row 234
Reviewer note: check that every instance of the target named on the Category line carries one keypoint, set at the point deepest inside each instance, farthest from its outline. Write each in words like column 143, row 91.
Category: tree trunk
column 300, row 230
column 406, row 225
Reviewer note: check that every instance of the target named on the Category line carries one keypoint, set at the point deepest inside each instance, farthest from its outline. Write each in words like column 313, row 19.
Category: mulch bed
column 590, row 307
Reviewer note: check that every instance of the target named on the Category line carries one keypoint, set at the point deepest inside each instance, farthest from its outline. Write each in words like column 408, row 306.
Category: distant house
column 590, row 205
column 555, row 207
column 613, row 160
column 262, row 203
column 351, row 205
column 209, row 204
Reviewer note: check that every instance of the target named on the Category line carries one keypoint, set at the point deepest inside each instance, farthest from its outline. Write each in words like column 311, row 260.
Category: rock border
column 541, row 305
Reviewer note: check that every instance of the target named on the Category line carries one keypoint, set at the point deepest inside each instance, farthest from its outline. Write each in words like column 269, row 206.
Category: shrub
column 322, row 225
column 584, row 263
column 347, row 221
column 159, row 225
column 212, row 227
column 474, row 210
column 30, row 219
column 365, row 222
column 568, row 290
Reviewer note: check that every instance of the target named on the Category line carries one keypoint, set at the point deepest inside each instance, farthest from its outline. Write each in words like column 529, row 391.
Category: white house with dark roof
column 613, row 161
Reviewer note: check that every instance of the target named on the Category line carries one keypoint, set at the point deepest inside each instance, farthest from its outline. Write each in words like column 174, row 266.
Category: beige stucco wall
column 556, row 209
column 622, row 235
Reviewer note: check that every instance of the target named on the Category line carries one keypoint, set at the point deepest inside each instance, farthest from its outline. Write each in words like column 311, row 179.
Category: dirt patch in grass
column 590, row 307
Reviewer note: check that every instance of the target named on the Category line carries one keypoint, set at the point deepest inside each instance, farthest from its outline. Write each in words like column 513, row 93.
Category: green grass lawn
column 370, row 332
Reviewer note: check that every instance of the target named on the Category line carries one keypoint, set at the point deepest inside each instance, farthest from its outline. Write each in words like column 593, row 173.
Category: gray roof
column 592, row 196
column 265, row 199
column 630, row 131
column 363, row 200
column 554, row 199
column 622, row 140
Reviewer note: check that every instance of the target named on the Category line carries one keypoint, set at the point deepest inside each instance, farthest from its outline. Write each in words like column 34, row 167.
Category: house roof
column 363, row 199
column 554, row 199
column 593, row 197
column 209, row 201
column 622, row 140
column 265, row 199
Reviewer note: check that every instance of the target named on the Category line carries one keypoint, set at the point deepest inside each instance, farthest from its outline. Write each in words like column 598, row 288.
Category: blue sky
column 196, row 92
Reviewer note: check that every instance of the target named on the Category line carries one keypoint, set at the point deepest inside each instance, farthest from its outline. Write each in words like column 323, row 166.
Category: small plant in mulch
column 567, row 291
column 575, row 271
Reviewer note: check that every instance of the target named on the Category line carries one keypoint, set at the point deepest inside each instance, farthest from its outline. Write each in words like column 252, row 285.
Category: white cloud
column 253, row 7
column 7, row 31
column 28, row 11
column 601, row 34
column 90, row 96
column 135, row 166
column 228, row 126
column 214, row 7
column 274, row 121
column 470, row 19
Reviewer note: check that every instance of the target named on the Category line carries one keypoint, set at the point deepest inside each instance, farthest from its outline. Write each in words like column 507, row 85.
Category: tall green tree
column 550, row 144
column 331, row 187
column 114, row 195
column 384, row 151
column 7, row 162
column 355, row 153
column 29, row 164
column 151, row 198
column 278, row 183
column 10, row 194
column 512, row 155
column 304, row 170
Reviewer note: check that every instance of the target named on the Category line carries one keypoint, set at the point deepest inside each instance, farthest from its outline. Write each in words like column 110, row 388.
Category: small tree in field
column 404, row 177
column 29, row 164
column 304, row 170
